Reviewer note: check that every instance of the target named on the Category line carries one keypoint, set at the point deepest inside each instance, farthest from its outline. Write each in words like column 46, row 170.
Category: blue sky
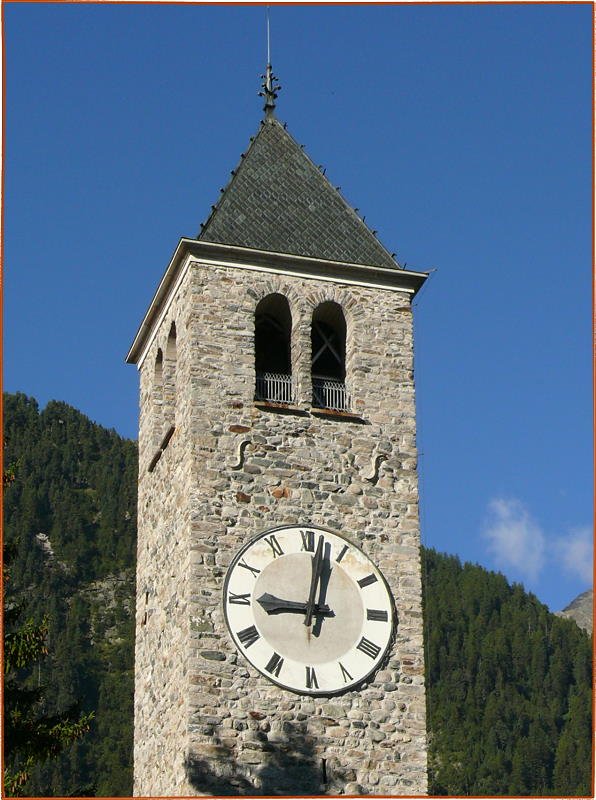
column 462, row 132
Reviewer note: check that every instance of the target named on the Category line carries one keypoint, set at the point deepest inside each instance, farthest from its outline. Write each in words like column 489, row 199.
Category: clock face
column 308, row 609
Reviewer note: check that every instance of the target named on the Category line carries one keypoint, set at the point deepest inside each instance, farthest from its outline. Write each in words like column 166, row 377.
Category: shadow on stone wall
column 288, row 766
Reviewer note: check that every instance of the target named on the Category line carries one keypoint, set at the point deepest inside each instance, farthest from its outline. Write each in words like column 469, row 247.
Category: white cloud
column 517, row 542
column 575, row 552
column 514, row 538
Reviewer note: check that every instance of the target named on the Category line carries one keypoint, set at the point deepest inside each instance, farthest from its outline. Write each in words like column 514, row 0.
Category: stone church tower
column 279, row 645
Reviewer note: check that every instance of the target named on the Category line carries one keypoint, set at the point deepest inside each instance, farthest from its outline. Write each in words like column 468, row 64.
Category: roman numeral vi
column 311, row 678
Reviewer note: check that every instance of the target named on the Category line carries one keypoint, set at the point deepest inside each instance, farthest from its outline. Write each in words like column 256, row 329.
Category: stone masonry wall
column 206, row 722
column 163, row 569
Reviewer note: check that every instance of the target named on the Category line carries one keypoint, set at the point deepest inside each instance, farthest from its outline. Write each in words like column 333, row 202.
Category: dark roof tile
column 279, row 200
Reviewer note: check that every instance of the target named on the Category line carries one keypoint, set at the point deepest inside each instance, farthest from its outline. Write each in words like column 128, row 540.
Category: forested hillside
column 508, row 682
column 509, row 687
column 71, row 514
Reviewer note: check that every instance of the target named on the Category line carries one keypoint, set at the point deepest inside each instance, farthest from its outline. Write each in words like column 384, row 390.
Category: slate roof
column 278, row 200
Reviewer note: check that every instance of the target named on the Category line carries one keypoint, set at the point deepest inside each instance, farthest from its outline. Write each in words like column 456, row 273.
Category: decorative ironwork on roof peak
column 270, row 90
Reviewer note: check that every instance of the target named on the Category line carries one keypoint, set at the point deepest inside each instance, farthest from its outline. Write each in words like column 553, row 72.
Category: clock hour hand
column 275, row 605
column 317, row 568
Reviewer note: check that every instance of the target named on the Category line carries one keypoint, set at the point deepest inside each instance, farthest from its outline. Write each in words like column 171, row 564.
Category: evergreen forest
column 70, row 521
column 508, row 682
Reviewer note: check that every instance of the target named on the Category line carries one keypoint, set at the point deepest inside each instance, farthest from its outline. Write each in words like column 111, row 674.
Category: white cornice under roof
column 223, row 255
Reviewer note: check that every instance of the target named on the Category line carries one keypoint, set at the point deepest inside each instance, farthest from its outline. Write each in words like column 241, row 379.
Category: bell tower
column 279, row 640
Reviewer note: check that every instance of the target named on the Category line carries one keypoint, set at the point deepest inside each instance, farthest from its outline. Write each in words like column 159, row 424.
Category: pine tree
column 76, row 487
column 508, row 683
column 508, row 687
column 574, row 750
column 32, row 735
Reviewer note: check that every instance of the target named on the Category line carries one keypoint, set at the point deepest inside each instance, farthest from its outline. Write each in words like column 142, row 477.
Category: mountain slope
column 509, row 702
column 71, row 514
column 508, row 687
column 581, row 610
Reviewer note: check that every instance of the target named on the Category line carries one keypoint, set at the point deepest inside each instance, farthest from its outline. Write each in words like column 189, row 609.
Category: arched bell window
column 328, row 340
column 273, row 363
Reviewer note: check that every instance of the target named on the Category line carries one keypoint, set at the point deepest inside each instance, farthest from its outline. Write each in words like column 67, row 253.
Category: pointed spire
column 292, row 208
column 270, row 90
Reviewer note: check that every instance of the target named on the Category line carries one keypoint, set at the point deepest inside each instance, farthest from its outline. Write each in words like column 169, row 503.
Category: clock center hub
column 329, row 637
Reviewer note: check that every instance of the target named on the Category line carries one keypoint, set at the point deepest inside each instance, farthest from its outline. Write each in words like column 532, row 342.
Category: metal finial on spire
column 270, row 89
column 268, row 37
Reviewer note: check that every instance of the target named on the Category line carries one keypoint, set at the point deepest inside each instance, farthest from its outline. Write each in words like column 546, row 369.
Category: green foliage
column 508, row 687
column 23, row 645
column 32, row 735
column 508, row 683
column 70, row 525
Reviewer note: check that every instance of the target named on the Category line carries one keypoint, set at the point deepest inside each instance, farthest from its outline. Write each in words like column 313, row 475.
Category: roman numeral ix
column 239, row 599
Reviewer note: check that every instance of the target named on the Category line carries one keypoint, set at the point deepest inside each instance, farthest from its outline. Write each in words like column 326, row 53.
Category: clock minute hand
column 317, row 568
column 275, row 605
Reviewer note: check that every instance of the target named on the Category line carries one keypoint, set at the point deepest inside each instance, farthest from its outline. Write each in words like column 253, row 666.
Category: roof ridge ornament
column 270, row 90
column 269, row 79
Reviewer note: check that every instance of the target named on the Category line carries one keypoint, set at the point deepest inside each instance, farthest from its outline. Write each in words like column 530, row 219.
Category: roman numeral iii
column 377, row 615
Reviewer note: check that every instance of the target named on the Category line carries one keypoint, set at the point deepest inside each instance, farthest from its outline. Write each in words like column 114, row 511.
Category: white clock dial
column 308, row 609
